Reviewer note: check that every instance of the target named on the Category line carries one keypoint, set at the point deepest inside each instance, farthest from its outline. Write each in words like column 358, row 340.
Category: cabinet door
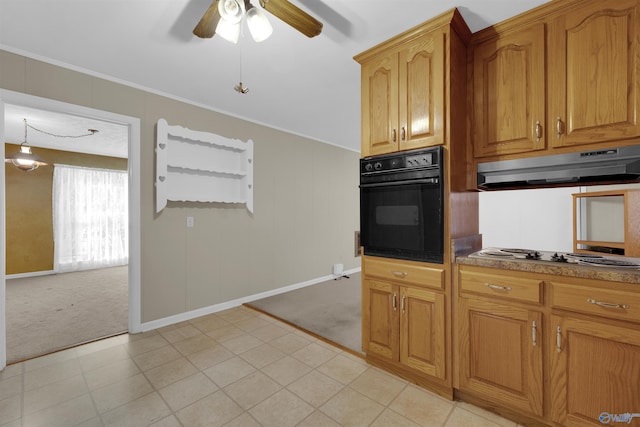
column 380, row 319
column 594, row 69
column 501, row 354
column 422, row 331
column 421, row 92
column 380, row 105
column 509, row 93
column 595, row 371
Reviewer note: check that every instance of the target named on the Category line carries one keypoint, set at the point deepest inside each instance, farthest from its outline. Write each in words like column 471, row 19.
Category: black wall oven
column 402, row 204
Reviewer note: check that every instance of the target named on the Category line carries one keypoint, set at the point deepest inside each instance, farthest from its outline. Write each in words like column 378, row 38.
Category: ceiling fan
column 282, row 9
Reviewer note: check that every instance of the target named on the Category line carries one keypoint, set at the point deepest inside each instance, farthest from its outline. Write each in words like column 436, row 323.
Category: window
column 90, row 218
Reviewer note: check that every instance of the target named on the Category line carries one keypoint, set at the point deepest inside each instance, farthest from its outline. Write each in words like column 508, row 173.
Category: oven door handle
column 433, row 181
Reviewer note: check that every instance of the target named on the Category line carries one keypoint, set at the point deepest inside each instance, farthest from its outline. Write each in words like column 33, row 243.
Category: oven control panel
column 425, row 159
column 422, row 158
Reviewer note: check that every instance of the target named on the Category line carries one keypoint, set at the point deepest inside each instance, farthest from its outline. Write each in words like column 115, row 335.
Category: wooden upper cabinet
column 594, row 95
column 421, row 92
column 509, row 93
column 380, row 105
column 403, row 97
column 564, row 77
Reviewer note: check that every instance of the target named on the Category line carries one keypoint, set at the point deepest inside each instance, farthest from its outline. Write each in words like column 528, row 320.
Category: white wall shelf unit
column 202, row 167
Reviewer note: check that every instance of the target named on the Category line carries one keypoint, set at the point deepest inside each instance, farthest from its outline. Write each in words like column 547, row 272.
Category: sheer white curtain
column 90, row 218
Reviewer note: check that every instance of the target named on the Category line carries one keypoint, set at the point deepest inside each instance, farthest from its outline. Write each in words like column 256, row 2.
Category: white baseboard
column 30, row 274
column 166, row 321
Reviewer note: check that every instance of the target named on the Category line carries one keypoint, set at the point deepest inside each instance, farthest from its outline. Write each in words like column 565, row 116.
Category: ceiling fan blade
column 206, row 28
column 294, row 16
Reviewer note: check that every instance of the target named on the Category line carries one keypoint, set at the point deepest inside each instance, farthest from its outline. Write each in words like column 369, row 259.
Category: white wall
column 306, row 204
column 539, row 219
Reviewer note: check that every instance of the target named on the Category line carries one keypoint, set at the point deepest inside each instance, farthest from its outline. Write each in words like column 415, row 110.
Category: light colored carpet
column 331, row 310
column 49, row 313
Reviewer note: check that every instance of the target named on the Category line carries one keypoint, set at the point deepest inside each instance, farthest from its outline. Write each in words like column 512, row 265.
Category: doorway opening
column 128, row 274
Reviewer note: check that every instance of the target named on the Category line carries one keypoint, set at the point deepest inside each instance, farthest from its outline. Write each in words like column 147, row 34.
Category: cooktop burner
column 567, row 257
column 522, row 253
column 608, row 262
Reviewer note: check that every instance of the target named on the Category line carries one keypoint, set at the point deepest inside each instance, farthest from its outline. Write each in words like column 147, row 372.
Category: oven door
column 403, row 220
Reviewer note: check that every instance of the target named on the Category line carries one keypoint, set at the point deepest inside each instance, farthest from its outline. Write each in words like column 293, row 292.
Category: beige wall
column 305, row 202
column 28, row 207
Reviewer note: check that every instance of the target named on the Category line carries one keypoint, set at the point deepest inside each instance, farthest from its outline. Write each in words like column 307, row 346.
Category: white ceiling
column 310, row 87
column 110, row 140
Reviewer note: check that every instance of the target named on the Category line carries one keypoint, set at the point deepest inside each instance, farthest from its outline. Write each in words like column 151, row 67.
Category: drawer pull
column 395, row 301
column 534, row 333
column 498, row 287
column 559, row 340
column 608, row 304
column 399, row 273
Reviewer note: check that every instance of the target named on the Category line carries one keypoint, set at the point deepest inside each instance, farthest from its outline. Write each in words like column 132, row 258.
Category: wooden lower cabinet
column 547, row 349
column 405, row 325
column 595, row 371
column 501, row 353
column 380, row 323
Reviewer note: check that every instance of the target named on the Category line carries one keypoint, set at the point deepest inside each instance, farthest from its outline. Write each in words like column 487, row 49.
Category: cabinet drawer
column 501, row 285
column 404, row 272
column 611, row 303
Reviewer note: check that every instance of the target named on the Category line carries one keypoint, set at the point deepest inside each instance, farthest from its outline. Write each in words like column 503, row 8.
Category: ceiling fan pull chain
column 239, row 88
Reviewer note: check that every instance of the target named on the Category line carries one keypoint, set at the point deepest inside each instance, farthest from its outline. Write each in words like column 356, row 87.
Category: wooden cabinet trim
column 451, row 18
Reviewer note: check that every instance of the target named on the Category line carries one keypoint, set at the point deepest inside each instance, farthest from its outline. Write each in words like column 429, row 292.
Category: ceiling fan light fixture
column 230, row 10
column 228, row 31
column 259, row 26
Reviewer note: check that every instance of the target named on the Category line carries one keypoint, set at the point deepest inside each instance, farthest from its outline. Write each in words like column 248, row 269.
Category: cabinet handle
column 538, row 130
column 498, row 287
column 403, row 133
column 608, row 304
column 395, row 302
column 559, row 127
column 559, row 339
column 534, row 333
column 399, row 273
column 404, row 296
column 393, row 135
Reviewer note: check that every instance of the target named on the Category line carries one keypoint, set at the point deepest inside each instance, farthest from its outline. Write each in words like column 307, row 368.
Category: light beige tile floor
column 233, row 368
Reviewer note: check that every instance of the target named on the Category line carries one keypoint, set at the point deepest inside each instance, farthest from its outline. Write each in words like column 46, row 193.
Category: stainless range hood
column 610, row 165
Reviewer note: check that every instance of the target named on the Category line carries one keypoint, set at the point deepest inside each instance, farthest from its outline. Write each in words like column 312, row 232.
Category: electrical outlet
column 189, row 221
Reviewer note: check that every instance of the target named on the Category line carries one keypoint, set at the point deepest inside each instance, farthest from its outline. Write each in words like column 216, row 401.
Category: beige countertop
column 625, row 275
